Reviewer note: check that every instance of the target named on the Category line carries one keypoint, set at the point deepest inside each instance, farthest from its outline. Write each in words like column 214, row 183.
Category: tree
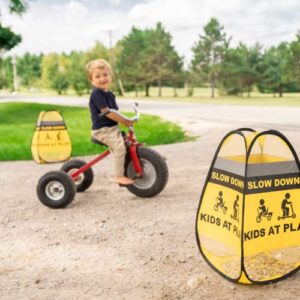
column 54, row 72
column 162, row 61
column 6, row 74
column 29, row 67
column 276, row 69
column 209, row 53
column 17, row 6
column 98, row 51
column 177, row 76
column 59, row 83
column 230, row 79
column 295, row 59
column 9, row 39
column 130, row 63
column 240, row 69
column 250, row 74
column 76, row 73
column 147, row 58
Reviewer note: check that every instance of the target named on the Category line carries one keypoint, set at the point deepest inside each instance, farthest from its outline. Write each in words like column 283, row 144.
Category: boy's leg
column 118, row 149
column 112, row 137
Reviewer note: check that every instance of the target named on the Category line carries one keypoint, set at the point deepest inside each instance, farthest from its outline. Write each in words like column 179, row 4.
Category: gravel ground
column 109, row 244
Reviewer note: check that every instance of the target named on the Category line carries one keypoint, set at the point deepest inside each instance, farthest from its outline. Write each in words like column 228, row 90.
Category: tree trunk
column 249, row 89
column 136, row 91
column 147, row 87
column 190, row 89
column 121, row 87
column 175, row 91
column 159, row 88
column 280, row 92
column 212, row 85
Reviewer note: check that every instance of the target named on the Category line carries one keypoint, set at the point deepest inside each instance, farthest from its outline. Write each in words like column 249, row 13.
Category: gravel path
column 109, row 244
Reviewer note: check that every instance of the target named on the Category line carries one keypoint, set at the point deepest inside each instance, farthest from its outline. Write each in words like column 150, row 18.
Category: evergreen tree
column 230, row 79
column 240, row 69
column 131, row 61
column 209, row 53
column 162, row 62
column 276, row 69
column 148, row 58
column 295, row 60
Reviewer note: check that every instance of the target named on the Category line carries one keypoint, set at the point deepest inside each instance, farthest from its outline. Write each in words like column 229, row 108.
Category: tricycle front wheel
column 155, row 173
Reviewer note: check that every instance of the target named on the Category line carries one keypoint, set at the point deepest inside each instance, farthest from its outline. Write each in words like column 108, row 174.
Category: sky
column 66, row 25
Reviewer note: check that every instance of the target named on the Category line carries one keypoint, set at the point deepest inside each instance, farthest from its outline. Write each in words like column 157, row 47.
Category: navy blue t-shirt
column 100, row 99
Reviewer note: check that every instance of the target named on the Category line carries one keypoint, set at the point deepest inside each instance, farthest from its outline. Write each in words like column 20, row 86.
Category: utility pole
column 110, row 45
column 112, row 59
column 110, row 33
column 15, row 74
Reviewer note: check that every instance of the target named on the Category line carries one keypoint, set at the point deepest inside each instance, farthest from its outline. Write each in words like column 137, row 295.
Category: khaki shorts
column 112, row 137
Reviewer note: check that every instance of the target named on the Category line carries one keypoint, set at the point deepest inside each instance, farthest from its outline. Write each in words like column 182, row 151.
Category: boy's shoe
column 124, row 181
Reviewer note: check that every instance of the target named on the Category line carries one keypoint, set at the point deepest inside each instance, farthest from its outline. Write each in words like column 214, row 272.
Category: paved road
column 191, row 114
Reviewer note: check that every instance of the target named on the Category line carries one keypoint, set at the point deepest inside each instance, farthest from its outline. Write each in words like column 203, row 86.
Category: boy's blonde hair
column 97, row 64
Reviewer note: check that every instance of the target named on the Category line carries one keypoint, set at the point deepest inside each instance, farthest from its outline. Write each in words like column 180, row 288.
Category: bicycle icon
column 220, row 204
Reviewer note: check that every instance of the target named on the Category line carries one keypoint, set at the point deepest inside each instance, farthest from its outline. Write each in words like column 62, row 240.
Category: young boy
column 105, row 129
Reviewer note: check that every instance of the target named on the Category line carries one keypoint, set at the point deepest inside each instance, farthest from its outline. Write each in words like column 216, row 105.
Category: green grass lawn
column 17, row 123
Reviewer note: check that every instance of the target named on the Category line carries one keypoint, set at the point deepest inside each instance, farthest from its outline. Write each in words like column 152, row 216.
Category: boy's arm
column 116, row 117
column 101, row 104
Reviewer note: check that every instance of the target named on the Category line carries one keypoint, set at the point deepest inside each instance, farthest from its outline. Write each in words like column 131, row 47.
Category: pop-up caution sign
column 248, row 219
column 51, row 142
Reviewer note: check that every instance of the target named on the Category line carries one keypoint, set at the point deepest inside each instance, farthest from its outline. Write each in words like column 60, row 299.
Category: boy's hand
column 118, row 118
column 128, row 123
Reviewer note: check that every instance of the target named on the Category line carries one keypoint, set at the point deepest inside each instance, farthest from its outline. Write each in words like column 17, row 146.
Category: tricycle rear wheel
column 85, row 179
column 56, row 189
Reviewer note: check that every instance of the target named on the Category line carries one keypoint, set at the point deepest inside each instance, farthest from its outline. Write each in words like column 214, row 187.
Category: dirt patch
column 109, row 244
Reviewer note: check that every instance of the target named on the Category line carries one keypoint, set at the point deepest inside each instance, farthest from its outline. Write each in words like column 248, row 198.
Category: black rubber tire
column 55, row 180
column 152, row 162
column 87, row 177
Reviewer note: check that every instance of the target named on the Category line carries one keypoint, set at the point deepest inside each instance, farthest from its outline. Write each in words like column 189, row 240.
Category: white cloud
column 115, row 2
column 245, row 20
column 76, row 24
column 57, row 27
column 170, row 12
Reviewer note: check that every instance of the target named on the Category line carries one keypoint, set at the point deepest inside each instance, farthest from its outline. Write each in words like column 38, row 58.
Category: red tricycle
column 57, row 189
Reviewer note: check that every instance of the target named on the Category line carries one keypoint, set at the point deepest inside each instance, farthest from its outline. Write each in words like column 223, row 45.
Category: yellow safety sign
column 248, row 219
column 51, row 142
